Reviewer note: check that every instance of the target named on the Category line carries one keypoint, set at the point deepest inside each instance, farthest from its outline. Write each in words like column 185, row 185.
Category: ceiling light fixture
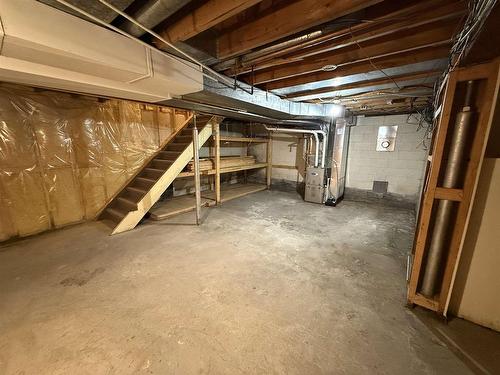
column 329, row 68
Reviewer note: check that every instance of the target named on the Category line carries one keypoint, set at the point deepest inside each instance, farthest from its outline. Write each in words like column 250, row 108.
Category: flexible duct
column 444, row 211
column 151, row 14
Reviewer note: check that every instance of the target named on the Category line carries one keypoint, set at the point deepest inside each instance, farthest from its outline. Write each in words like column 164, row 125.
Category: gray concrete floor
column 267, row 285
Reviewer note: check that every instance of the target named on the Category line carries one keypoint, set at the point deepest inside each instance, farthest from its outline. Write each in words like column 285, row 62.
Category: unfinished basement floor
column 268, row 284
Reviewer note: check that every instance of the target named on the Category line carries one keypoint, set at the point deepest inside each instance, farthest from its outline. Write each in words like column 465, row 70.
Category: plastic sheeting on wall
column 63, row 156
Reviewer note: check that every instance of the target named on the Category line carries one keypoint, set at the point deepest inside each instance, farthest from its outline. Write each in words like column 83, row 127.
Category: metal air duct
column 444, row 211
column 151, row 14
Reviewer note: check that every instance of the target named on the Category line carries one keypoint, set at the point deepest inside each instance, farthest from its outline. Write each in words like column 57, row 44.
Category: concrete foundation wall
column 402, row 168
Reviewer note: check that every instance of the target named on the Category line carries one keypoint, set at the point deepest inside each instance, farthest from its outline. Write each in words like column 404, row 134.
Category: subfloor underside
column 268, row 284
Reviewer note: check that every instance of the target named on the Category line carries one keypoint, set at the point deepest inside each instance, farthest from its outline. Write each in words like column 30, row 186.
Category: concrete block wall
column 402, row 168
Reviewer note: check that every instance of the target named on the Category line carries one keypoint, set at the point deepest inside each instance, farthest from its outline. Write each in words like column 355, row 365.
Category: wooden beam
column 384, row 104
column 291, row 18
column 269, row 161
column 384, row 26
column 217, row 162
column 388, row 108
column 455, row 195
column 441, row 33
column 366, row 83
column 244, row 139
column 385, row 62
column 204, row 17
column 197, row 180
column 485, row 103
column 430, row 187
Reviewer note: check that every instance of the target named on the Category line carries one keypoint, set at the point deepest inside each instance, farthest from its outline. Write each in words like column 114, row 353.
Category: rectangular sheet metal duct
column 45, row 47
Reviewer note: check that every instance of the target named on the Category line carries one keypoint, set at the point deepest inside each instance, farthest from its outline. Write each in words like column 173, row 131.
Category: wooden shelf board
column 191, row 174
column 234, row 191
column 186, row 203
column 224, row 170
column 244, row 140
column 177, row 205
column 243, row 167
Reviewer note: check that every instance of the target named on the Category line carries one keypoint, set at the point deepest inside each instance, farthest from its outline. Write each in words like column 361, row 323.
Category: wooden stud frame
column 489, row 73
column 269, row 168
column 217, row 171
column 217, row 163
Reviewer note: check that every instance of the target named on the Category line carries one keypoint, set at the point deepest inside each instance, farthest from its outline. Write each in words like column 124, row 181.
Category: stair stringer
column 132, row 218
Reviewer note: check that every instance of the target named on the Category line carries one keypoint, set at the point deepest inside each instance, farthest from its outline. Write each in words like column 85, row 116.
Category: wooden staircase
column 127, row 209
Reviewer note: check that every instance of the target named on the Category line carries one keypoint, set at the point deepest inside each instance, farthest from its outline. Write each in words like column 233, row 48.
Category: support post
column 269, row 160
column 197, row 184
column 217, row 162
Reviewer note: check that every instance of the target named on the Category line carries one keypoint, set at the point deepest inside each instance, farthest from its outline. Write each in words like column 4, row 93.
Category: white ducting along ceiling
column 45, row 47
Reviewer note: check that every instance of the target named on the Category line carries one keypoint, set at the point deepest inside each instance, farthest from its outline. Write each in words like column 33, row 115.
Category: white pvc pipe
column 323, row 156
column 306, row 131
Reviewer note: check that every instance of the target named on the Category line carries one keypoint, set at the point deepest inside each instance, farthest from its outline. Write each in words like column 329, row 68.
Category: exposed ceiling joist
column 378, row 28
column 398, row 59
column 419, row 38
column 385, row 53
column 372, row 82
column 204, row 17
column 293, row 17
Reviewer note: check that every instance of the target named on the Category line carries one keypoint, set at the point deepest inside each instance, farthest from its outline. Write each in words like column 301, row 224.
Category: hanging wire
column 478, row 12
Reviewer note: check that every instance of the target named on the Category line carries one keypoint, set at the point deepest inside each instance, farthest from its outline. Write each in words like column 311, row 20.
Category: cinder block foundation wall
column 402, row 168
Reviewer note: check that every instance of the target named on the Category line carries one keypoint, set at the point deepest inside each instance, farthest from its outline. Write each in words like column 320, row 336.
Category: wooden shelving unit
column 210, row 172
column 218, row 170
column 244, row 139
column 186, row 203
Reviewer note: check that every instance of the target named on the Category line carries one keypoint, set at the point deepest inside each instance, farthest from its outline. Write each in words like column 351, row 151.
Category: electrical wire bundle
column 478, row 12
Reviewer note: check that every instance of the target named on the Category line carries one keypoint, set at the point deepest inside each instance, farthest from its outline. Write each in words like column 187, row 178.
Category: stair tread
column 146, row 179
column 136, row 189
column 162, row 160
column 126, row 200
column 116, row 212
column 154, row 170
column 133, row 194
